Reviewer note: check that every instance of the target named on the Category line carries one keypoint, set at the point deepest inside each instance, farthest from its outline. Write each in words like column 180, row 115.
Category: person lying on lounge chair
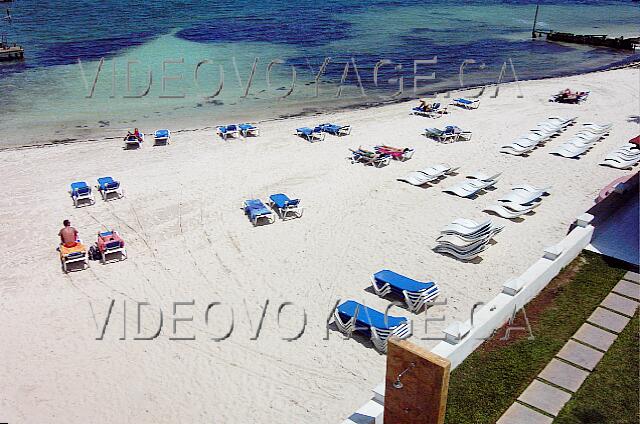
column 426, row 107
column 394, row 149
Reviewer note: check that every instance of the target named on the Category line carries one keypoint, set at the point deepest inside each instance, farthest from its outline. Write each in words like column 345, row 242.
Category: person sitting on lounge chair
column 68, row 235
column 136, row 134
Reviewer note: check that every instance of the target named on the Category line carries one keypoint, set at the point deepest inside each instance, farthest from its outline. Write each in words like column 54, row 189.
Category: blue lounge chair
column 256, row 210
column 337, row 130
column 247, row 130
column 81, row 191
column 352, row 316
column 415, row 293
column 226, row 131
column 107, row 186
column 466, row 103
column 309, row 134
column 283, row 205
column 161, row 137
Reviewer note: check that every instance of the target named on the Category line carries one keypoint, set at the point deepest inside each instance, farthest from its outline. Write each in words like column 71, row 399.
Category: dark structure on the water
column 8, row 51
column 619, row 43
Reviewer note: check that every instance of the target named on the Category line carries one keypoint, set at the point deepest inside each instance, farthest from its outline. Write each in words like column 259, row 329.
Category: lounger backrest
column 162, row 133
column 401, row 282
column 367, row 317
column 113, row 245
column 279, row 199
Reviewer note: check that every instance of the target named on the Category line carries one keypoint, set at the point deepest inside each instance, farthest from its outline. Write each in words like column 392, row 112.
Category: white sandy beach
column 188, row 240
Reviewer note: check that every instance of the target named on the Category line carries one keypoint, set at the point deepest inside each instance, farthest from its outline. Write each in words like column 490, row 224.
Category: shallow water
column 47, row 97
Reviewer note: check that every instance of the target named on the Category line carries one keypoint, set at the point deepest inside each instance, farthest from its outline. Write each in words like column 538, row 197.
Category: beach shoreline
column 324, row 107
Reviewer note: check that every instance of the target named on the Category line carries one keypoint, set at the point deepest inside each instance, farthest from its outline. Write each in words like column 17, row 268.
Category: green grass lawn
column 610, row 394
column 492, row 377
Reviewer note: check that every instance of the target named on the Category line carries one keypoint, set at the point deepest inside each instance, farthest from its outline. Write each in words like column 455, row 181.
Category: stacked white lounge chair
column 583, row 141
column 465, row 239
column 551, row 127
column 429, row 174
column 521, row 200
column 473, row 184
column 624, row 157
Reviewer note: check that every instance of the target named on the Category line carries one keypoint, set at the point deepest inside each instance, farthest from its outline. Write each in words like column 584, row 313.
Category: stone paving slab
column 620, row 304
column 564, row 375
column 632, row 276
column 544, row 397
column 609, row 320
column 628, row 289
column 581, row 355
column 595, row 337
column 520, row 414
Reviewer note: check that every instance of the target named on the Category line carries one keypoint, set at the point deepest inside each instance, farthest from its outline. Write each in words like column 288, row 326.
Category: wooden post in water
column 416, row 385
column 535, row 22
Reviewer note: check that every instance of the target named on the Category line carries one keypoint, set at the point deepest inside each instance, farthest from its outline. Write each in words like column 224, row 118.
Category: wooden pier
column 619, row 43
column 597, row 40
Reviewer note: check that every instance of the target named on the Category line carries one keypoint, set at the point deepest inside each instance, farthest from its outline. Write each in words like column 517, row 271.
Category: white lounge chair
column 597, row 128
column 621, row 163
column 464, row 189
column 511, row 211
column 415, row 293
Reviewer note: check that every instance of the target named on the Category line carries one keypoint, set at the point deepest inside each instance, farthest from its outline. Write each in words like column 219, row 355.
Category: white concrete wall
column 463, row 338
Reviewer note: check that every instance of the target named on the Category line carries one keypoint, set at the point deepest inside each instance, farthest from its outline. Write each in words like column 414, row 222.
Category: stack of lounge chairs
column 449, row 134
column 473, row 184
column 414, row 293
column 428, row 174
column 465, row 239
column 521, row 200
column 583, row 141
column 398, row 153
column 367, row 157
column 546, row 129
column 624, row 157
column 466, row 103
column 352, row 316
column 108, row 187
column 335, row 129
column 433, row 110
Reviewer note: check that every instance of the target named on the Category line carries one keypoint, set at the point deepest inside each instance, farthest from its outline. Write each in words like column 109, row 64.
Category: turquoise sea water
column 46, row 97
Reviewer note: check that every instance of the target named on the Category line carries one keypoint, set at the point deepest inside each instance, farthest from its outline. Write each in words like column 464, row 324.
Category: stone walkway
column 563, row 376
